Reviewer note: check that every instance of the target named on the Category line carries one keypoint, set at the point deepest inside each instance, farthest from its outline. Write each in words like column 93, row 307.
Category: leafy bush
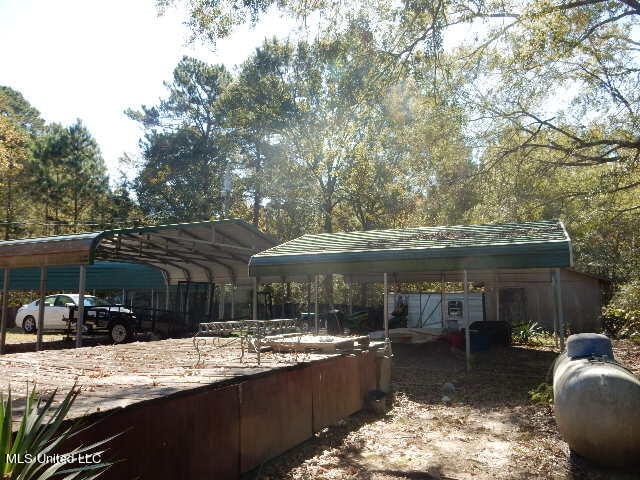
column 41, row 432
column 621, row 323
column 627, row 297
column 542, row 394
column 527, row 333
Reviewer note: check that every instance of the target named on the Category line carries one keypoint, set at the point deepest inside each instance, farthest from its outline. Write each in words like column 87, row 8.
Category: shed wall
column 581, row 299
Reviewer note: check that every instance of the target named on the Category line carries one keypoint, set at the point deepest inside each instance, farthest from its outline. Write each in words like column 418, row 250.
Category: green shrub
column 626, row 297
column 542, row 394
column 621, row 323
column 527, row 333
column 42, row 432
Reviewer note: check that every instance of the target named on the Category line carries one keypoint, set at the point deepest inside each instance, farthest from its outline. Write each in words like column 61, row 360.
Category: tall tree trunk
column 257, row 199
column 257, row 195
column 8, row 210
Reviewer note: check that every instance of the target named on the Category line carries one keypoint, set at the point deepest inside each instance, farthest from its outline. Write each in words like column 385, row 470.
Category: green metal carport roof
column 542, row 244
column 100, row 276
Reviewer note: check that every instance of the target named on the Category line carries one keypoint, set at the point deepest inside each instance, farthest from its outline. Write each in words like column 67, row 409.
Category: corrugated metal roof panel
column 211, row 251
column 100, row 276
column 507, row 245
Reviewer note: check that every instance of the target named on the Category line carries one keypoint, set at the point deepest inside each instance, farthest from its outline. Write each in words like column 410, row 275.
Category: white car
column 99, row 314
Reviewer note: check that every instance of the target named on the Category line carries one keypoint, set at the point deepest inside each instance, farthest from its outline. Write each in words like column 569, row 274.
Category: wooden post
column 465, row 309
column 254, row 299
column 559, row 313
column 43, row 292
column 80, row 320
column 316, row 314
column 5, row 303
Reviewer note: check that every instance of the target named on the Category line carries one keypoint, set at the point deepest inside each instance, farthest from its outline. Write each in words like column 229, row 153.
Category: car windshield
column 95, row 302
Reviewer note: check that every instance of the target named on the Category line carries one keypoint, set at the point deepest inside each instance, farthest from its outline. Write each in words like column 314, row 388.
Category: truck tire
column 120, row 331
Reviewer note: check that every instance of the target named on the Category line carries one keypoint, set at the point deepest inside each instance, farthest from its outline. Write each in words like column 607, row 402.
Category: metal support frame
column 208, row 300
column 221, row 302
column 350, row 299
column 465, row 309
column 385, row 315
column 443, row 303
column 316, row 315
column 5, row 303
column 43, row 292
column 284, row 299
column 497, row 295
column 233, row 300
column 80, row 320
column 254, row 299
column 559, row 311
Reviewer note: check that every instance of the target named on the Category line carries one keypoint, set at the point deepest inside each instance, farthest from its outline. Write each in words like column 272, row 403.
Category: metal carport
column 462, row 253
column 211, row 251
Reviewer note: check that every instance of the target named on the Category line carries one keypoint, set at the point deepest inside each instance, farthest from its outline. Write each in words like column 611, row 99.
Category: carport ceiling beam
column 227, row 239
column 213, row 259
column 196, row 240
column 149, row 259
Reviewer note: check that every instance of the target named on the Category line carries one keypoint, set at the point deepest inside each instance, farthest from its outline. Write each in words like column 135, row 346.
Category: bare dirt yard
column 488, row 429
column 18, row 341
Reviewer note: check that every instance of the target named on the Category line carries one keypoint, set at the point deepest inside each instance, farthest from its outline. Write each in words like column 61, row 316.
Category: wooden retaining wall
column 221, row 432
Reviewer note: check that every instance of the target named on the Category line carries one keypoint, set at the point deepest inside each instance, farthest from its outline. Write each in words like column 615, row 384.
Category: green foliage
column 542, row 394
column 527, row 333
column 42, row 432
column 471, row 126
column 54, row 179
column 620, row 323
column 627, row 297
column 185, row 150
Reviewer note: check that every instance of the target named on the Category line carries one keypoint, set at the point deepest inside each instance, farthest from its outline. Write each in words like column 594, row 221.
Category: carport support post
column 496, row 287
column 221, row 304
column 284, row 296
column 443, row 302
column 254, row 299
column 43, row 292
column 465, row 308
column 385, row 314
column 350, row 285
column 557, row 293
column 80, row 320
column 5, row 303
column 316, row 320
column 233, row 301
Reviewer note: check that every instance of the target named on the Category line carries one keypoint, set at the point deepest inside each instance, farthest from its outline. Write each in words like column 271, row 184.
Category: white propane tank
column 597, row 402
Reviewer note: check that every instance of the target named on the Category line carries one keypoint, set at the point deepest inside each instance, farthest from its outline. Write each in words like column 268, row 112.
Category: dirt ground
column 487, row 429
column 18, row 341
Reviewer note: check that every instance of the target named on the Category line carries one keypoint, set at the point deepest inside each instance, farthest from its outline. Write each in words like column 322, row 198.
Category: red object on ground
column 455, row 339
